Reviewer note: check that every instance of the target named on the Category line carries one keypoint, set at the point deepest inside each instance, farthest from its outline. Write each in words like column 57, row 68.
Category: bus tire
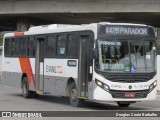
column 123, row 104
column 73, row 96
column 25, row 88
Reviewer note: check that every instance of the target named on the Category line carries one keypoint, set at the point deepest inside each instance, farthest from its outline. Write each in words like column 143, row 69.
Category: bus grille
column 130, row 78
column 121, row 94
column 127, row 77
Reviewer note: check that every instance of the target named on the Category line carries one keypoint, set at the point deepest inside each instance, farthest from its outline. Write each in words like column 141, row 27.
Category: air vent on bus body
column 49, row 27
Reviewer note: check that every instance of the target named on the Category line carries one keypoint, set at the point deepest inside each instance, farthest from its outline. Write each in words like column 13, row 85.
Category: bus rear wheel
column 123, row 104
column 73, row 96
column 25, row 88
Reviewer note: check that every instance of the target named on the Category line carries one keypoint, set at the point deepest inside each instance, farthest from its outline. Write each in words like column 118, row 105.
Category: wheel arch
column 70, row 80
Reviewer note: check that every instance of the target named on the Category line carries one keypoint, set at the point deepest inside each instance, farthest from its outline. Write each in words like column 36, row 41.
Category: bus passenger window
column 32, row 47
column 51, row 43
column 23, row 47
column 71, row 46
column 8, row 44
column 61, row 45
column 15, row 43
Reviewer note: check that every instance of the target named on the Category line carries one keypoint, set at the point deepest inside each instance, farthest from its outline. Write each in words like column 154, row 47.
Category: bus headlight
column 102, row 85
column 106, row 87
column 152, row 86
column 99, row 83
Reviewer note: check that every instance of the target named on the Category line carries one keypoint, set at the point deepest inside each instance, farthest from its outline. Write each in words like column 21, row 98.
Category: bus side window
column 16, row 43
column 61, row 44
column 12, row 46
column 8, row 44
column 16, row 47
column 51, row 46
column 71, row 46
column 31, row 47
column 23, row 47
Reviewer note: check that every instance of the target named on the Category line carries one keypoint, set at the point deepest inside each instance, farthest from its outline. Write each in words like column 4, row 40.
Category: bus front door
column 39, row 64
column 85, row 65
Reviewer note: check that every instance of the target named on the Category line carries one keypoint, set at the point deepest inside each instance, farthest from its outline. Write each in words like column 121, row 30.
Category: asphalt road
column 11, row 99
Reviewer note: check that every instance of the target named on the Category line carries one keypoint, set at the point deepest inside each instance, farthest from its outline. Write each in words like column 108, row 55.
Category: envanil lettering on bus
column 54, row 69
column 126, row 31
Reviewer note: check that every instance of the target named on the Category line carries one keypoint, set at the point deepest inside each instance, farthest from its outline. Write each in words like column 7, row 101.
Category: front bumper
column 117, row 95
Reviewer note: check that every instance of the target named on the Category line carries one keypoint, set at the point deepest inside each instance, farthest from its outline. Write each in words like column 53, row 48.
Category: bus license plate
column 130, row 95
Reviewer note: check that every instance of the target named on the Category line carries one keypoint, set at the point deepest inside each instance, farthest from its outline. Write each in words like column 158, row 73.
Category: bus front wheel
column 123, row 104
column 25, row 88
column 73, row 96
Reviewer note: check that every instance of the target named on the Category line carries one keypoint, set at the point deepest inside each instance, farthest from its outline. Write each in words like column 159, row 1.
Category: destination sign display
column 126, row 30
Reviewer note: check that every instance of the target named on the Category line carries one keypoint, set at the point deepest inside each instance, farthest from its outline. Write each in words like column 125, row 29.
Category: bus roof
column 66, row 28
column 58, row 26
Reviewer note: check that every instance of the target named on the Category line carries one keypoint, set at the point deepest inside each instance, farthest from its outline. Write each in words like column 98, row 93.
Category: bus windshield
column 133, row 56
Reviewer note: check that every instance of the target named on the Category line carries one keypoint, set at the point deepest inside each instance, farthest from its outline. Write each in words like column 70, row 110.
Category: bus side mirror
column 95, row 53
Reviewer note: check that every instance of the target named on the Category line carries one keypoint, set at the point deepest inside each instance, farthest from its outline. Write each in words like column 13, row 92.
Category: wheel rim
column 74, row 94
column 24, row 88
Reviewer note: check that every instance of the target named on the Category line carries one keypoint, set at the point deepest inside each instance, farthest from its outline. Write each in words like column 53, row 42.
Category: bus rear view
column 125, row 64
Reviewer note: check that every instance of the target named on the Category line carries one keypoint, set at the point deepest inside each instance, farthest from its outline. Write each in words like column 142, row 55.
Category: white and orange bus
column 97, row 62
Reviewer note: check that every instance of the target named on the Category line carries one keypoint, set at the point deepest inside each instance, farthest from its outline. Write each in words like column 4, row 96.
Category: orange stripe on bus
column 26, row 68
column 19, row 34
